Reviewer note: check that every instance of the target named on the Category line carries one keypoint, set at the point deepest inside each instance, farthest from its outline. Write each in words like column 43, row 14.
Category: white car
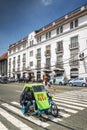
column 79, row 81
column 60, row 80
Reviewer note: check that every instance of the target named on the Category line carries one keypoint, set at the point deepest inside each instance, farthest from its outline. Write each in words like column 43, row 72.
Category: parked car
column 11, row 79
column 3, row 80
column 60, row 80
column 79, row 81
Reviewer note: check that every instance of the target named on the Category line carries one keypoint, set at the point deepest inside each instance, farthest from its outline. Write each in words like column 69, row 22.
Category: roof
column 4, row 56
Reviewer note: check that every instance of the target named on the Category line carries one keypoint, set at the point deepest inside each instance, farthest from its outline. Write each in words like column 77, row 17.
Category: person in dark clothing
column 26, row 100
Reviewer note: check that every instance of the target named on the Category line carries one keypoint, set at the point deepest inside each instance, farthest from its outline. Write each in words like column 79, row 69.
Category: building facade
column 3, row 64
column 60, row 48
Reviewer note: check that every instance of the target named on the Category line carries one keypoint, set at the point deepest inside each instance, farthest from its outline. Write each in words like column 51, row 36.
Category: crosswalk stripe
column 2, row 127
column 14, row 120
column 73, row 100
column 77, row 104
column 67, row 109
column 16, row 103
column 31, row 118
column 64, row 114
column 75, row 107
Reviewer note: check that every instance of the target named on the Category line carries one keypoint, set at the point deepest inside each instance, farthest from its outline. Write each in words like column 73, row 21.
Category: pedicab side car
column 43, row 101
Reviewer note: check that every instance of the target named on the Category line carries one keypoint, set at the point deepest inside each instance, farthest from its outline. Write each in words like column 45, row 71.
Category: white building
column 60, row 48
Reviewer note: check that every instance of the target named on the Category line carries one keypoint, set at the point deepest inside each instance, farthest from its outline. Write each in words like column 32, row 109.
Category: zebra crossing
column 69, row 103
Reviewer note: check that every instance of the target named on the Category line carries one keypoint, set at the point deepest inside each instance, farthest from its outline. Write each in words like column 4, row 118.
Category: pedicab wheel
column 54, row 110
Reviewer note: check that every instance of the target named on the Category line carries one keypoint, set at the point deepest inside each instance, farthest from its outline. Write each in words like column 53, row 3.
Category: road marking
column 64, row 114
column 75, row 107
column 2, row 127
column 70, row 99
column 72, row 103
column 31, row 118
column 18, row 91
column 67, row 109
column 14, row 120
column 16, row 103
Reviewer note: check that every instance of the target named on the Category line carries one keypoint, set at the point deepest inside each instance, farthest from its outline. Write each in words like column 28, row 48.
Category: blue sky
column 18, row 18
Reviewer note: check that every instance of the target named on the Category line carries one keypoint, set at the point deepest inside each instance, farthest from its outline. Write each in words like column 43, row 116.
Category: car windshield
column 39, row 88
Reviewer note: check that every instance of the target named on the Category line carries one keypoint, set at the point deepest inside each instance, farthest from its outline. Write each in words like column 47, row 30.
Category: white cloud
column 47, row 2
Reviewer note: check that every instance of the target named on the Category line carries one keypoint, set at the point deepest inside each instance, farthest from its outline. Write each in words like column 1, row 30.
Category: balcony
column 47, row 66
column 74, row 62
column 38, row 55
column 57, row 51
column 23, row 59
column 24, row 68
column 18, row 69
column 74, row 46
column 47, row 53
column 18, row 61
column 38, row 67
column 13, row 61
column 28, row 68
column 13, row 69
column 59, row 65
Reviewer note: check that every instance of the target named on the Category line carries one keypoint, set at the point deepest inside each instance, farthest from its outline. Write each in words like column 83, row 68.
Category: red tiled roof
column 4, row 56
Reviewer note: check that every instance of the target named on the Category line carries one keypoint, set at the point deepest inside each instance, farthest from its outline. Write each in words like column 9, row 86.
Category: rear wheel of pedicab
column 54, row 110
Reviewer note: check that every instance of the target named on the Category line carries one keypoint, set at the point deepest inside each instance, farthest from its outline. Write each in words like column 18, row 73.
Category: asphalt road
column 72, row 102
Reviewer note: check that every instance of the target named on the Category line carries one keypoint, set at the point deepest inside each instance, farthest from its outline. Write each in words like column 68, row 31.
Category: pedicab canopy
column 40, row 95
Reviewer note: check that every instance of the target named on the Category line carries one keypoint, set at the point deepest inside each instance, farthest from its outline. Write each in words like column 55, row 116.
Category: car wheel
column 60, row 83
column 71, row 84
column 83, row 85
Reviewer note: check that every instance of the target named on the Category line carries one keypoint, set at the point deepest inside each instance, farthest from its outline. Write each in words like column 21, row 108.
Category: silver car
column 79, row 81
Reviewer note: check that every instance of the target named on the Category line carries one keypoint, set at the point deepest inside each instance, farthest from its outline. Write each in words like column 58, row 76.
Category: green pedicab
column 43, row 102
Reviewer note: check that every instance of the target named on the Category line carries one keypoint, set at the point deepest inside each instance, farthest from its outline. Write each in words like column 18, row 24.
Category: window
column 38, row 63
column 39, row 39
column 48, row 35
column 60, row 61
column 60, row 46
column 74, row 42
column 59, row 30
column 31, row 53
column 71, row 25
column 31, row 42
column 76, row 23
column 39, row 52
column 31, row 63
column 48, row 61
column 24, row 45
column 14, row 50
column 24, row 57
column 19, row 48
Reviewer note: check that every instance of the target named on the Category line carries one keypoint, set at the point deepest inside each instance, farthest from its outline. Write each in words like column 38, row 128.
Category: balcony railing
column 47, row 53
column 13, row 69
column 28, row 68
column 18, row 69
column 24, row 59
column 23, row 68
column 38, row 67
column 59, row 65
column 13, row 61
column 74, row 62
column 74, row 46
column 47, row 66
column 18, row 61
column 38, row 55
column 58, row 51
